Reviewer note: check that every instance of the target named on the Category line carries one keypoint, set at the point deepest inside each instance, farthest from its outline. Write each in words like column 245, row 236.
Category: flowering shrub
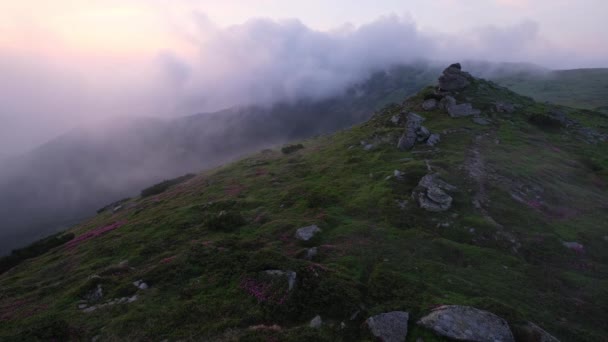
column 93, row 234
column 264, row 292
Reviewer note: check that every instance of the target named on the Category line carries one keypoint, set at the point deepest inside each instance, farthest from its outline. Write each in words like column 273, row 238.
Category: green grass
column 200, row 243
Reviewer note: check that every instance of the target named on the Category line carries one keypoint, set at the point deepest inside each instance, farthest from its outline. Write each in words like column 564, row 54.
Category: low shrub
column 164, row 185
column 291, row 148
column 35, row 249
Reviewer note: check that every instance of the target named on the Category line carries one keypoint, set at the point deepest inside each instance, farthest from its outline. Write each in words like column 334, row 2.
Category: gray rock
column 410, row 136
column 143, row 286
column 368, row 147
column 467, row 324
column 307, row 233
column 575, row 246
column 429, row 104
column 291, row 279
column 454, row 79
column 82, row 306
column 482, row 121
column 311, row 253
column 316, row 322
column 395, row 119
column 446, row 103
column 398, row 174
column 90, row 309
column 463, row 109
column 137, row 283
column 433, row 180
column 422, row 134
column 533, row 333
column 132, row 299
column 433, row 139
column 431, row 193
column 389, row 327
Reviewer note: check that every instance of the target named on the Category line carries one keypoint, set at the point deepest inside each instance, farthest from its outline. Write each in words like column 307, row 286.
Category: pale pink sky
column 64, row 62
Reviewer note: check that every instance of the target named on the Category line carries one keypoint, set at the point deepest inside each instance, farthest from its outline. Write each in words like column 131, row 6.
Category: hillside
column 497, row 203
column 91, row 166
column 580, row 88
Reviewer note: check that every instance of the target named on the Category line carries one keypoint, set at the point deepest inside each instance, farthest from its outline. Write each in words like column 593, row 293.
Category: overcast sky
column 64, row 62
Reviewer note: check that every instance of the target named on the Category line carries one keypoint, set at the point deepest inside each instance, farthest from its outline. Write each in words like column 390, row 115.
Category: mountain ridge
column 503, row 214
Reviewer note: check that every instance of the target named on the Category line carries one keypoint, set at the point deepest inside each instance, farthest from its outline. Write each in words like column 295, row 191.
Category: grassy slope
column 373, row 256
column 581, row 88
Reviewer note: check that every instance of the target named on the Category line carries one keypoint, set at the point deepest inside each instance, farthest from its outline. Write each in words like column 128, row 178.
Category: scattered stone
column 468, row 324
column 463, row 109
column 311, row 253
column 429, row 104
column 123, row 264
column 504, row 107
column 389, row 327
column 89, row 309
column 398, row 174
column 143, row 286
column 307, row 233
column 395, row 119
column 575, row 246
column 433, row 139
column 533, row 333
column 409, row 137
column 433, row 180
column 316, row 322
column 132, row 299
column 368, row 147
column 482, row 121
column 82, row 306
column 454, row 79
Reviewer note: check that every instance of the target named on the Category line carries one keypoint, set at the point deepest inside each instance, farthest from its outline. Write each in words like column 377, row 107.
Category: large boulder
column 454, row 79
column 466, row 323
column 307, row 233
column 389, row 327
column 410, row 136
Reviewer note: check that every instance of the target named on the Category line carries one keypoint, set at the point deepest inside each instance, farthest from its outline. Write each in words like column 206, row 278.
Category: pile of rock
column 416, row 133
column 454, row 79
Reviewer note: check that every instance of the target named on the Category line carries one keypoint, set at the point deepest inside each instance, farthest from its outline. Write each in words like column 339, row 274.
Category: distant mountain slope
column 484, row 199
column 70, row 177
column 581, row 88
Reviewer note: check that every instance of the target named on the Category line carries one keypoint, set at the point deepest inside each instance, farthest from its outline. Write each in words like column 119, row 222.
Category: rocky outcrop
column 389, row 327
column 454, row 79
column 410, row 136
column 307, row 233
column 415, row 133
column 467, row 324
column 431, row 193
column 504, row 107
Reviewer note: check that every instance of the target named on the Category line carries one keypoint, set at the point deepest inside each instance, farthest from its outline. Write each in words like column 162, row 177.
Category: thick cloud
column 261, row 61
